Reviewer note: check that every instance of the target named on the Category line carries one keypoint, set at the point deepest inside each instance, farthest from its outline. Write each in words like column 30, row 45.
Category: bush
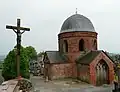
column 9, row 66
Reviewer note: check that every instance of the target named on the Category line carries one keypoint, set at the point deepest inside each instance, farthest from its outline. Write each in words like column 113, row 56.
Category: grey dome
column 77, row 22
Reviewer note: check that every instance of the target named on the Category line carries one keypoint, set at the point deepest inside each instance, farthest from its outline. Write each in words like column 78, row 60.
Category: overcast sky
column 45, row 18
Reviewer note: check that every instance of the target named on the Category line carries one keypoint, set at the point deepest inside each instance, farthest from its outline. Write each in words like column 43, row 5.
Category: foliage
column 31, row 53
column 41, row 53
column 1, row 65
column 9, row 66
column 25, row 85
column 114, row 57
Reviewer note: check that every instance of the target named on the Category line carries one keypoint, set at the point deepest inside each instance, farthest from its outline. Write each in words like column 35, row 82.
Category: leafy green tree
column 1, row 65
column 9, row 70
column 41, row 53
column 31, row 53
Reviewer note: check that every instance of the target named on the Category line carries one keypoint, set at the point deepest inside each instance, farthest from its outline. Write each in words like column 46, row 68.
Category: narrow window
column 65, row 46
column 81, row 45
column 95, row 44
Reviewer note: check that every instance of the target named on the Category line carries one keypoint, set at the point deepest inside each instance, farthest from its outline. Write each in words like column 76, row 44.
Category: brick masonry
column 86, row 73
column 60, row 70
column 93, row 69
column 83, row 73
column 73, row 39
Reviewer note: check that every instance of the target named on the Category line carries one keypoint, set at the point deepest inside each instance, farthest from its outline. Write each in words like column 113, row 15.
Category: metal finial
column 76, row 10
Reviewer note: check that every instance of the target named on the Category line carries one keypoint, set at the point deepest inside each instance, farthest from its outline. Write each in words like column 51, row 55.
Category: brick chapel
column 78, row 55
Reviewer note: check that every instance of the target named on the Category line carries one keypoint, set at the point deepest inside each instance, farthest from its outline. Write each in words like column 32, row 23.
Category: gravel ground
column 65, row 86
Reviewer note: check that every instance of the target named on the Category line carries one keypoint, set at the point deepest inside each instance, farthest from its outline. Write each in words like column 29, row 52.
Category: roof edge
column 77, row 31
column 108, row 56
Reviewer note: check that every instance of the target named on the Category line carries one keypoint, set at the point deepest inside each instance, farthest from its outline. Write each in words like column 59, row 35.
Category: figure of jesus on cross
column 19, row 31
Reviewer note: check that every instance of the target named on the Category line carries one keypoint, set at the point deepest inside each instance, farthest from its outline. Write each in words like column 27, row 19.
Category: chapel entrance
column 102, row 73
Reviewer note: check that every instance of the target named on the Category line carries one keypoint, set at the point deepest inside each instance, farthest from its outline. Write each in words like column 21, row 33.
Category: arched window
column 81, row 45
column 95, row 45
column 65, row 46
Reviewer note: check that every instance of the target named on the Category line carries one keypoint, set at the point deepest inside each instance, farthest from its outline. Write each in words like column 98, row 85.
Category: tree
column 40, row 54
column 9, row 66
column 31, row 53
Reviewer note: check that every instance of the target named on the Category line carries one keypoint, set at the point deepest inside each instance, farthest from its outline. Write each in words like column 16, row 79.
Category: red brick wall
column 93, row 69
column 62, row 70
column 83, row 73
column 73, row 39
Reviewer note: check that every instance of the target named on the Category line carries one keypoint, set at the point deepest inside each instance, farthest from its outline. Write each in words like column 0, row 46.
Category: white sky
column 45, row 18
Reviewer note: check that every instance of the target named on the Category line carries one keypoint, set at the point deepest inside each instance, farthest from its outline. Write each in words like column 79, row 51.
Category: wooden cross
column 19, row 31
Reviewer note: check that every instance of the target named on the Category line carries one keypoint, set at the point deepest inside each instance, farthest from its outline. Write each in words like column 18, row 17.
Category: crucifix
column 76, row 11
column 19, row 31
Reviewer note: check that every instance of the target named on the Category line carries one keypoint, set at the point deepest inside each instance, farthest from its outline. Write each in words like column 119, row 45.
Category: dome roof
column 77, row 22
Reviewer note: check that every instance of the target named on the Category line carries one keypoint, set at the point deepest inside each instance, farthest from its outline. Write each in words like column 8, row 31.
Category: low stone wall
column 9, row 86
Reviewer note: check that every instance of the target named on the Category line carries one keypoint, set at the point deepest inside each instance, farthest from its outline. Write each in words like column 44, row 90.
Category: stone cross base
column 9, row 86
